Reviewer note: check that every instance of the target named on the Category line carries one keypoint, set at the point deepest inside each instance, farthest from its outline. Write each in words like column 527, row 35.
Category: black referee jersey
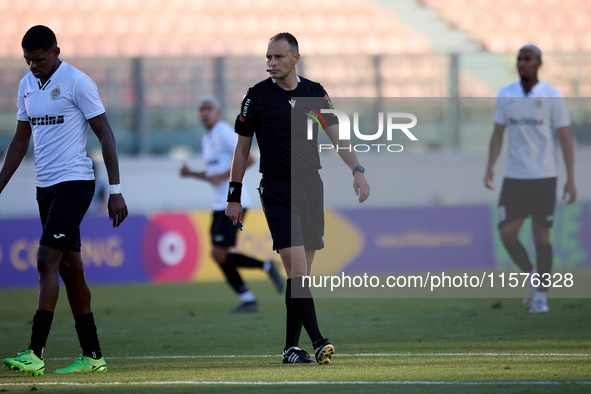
column 267, row 111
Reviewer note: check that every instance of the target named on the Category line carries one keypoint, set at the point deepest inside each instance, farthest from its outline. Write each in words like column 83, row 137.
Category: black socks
column 544, row 260
column 519, row 256
column 41, row 326
column 233, row 277
column 303, row 304
column 240, row 260
column 293, row 324
column 86, row 330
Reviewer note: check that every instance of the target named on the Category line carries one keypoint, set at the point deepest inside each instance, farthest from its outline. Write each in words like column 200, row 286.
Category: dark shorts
column 294, row 209
column 521, row 198
column 223, row 232
column 62, row 208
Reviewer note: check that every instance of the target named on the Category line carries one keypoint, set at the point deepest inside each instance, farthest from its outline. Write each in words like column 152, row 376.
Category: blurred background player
column 291, row 190
column 56, row 104
column 218, row 148
column 532, row 111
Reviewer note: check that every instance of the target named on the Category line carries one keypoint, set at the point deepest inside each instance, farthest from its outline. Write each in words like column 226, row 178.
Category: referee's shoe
column 296, row 355
column 323, row 351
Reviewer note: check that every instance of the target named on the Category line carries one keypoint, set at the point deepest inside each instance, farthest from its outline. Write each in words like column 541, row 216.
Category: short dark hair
column 537, row 51
column 291, row 40
column 39, row 37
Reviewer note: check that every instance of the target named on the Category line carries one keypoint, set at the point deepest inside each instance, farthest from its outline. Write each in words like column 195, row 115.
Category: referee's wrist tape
column 234, row 192
column 115, row 189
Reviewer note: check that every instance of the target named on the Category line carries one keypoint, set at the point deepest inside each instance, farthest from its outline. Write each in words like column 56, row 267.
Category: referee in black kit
column 291, row 189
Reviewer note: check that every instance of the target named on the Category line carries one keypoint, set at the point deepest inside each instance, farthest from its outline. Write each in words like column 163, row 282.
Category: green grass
column 191, row 320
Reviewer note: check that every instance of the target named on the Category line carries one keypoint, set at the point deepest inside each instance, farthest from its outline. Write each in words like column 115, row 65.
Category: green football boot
column 26, row 362
column 85, row 364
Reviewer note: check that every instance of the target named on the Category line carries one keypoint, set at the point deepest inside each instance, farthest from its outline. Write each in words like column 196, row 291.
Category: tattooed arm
column 15, row 153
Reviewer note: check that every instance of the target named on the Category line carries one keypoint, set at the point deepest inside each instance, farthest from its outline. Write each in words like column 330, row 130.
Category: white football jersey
column 218, row 150
column 531, row 121
column 58, row 113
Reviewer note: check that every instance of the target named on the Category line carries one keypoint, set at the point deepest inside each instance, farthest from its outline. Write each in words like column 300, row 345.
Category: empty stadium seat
column 172, row 24
column 501, row 25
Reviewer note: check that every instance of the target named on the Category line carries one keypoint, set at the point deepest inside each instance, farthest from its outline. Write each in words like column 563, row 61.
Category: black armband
column 234, row 192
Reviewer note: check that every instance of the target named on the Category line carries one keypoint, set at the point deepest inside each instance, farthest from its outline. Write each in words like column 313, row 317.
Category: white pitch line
column 299, row 383
column 350, row 355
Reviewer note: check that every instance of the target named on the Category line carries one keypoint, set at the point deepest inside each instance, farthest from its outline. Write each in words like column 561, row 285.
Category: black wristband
column 234, row 192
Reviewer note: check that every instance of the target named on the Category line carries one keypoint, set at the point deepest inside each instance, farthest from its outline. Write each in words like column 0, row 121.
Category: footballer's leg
column 313, row 233
column 56, row 234
column 248, row 301
column 296, row 264
column 72, row 273
column 514, row 206
column 223, row 236
column 48, row 260
column 508, row 233
column 323, row 349
column 31, row 361
column 544, row 257
column 543, row 201
column 74, row 200
column 292, row 353
column 244, row 261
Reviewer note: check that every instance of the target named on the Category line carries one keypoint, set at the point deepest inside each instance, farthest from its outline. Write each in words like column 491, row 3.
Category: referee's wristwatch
column 358, row 168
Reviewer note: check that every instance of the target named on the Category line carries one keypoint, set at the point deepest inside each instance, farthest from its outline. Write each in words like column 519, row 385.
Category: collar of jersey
column 54, row 75
column 215, row 127
column 274, row 81
column 535, row 90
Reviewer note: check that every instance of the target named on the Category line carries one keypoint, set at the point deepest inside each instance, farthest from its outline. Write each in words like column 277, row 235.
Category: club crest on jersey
column 55, row 93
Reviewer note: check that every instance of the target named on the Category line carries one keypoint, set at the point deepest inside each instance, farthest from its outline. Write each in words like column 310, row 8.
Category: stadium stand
column 501, row 26
column 560, row 28
column 354, row 30
column 356, row 48
column 196, row 27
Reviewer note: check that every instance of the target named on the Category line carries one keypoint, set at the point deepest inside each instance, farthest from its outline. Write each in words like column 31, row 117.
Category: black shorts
column 223, row 232
column 294, row 209
column 521, row 198
column 62, row 208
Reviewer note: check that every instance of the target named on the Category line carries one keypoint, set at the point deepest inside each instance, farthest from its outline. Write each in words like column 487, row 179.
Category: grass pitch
column 179, row 338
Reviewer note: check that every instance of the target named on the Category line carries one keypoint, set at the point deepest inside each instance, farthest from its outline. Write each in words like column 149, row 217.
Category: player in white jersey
column 218, row 149
column 56, row 104
column 534, row 114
